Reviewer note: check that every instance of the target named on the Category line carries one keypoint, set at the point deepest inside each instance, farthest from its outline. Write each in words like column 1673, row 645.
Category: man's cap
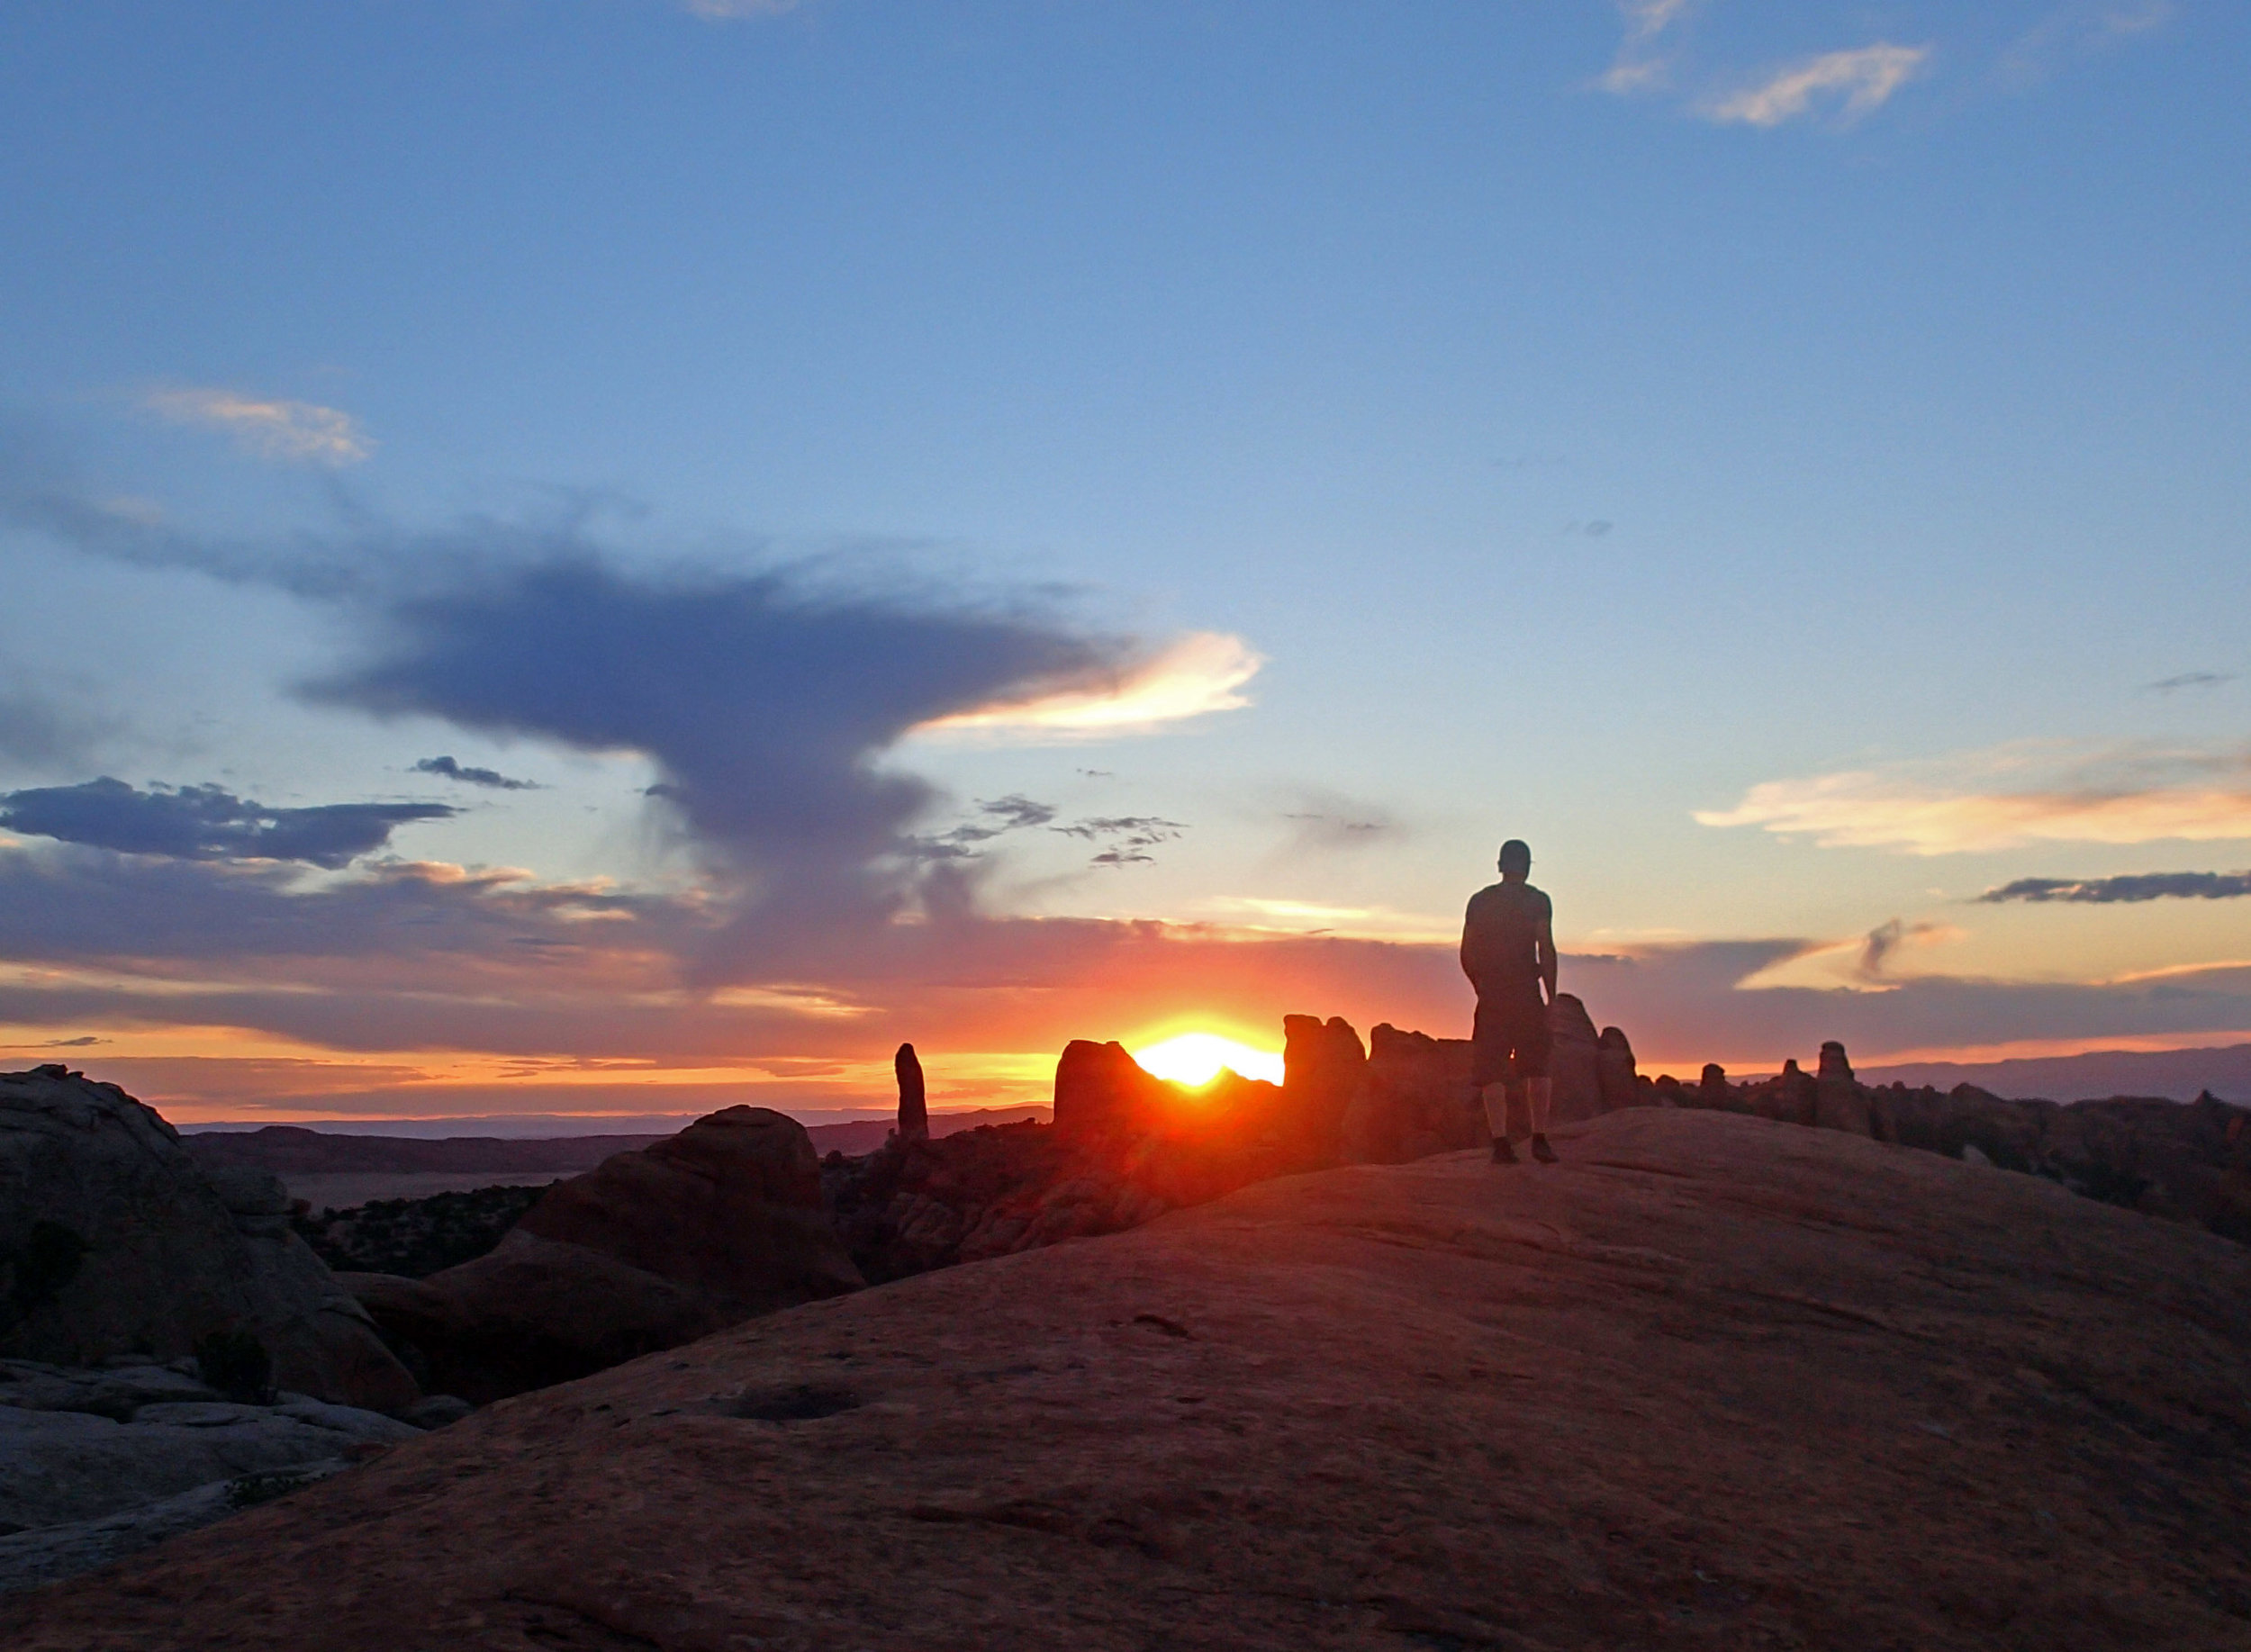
column 1515, row 855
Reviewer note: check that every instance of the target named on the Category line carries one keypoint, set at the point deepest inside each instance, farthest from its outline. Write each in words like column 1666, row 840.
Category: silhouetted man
column 1508, row 953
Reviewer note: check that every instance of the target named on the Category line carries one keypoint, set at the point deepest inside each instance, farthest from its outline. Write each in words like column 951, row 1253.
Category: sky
column 582, row 559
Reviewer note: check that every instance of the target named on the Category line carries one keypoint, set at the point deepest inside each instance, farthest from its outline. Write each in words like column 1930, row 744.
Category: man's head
column 1515, row 859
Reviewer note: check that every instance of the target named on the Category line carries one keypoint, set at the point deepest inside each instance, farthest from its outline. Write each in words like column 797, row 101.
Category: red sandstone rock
column 1414, row 1099
column 1711, row 1383
column 649, row 1249
column 1620, row 1085
column 1322, row 1065
column 1574, row 1061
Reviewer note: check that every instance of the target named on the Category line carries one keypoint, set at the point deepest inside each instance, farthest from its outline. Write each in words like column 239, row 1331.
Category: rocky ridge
column 1711, row 1383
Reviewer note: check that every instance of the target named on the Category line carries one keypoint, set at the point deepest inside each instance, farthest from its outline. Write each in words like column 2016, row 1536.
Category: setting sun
column 1194, row 1058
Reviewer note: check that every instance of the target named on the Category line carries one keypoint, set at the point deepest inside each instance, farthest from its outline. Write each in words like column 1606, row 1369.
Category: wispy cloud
column 1199, row 673
column 493, row 780
column 2125, row 796
column 2129, row 887
column 270, row 427
column 1861, row 80
column 2190, row 679
column 2075, row 32
column 1882, row 944
column 1641, row 64
column 1124, row 840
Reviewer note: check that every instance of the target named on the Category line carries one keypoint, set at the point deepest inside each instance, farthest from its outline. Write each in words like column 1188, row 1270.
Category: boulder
column 651, row 1249
column 1100, row 1090
column 531, row 1314
column 1620, row 1089
column 729, row 1207
column 113, row 1241
column 1574, row 1061
column 1322, row 1065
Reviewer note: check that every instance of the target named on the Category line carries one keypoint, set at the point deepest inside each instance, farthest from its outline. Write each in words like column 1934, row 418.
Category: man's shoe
column 1503, row 1153
column 1541, row 1151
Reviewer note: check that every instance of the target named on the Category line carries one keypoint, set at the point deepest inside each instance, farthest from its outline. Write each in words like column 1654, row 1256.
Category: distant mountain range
column 2181, row 1074
column 292, row 1150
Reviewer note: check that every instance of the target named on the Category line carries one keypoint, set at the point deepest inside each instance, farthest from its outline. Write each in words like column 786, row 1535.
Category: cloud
column 491, row 778
column 2130, row 887
column 2120, row 797
column 996, row 819
column 204, row 823
column 1865, row 78
column 1878, row 945
column 2190, row 679
column 764, row 702
column 1125, row 840
column 1194, row 676
column 270, row 427
column 2076, row 31
column 1639, row 65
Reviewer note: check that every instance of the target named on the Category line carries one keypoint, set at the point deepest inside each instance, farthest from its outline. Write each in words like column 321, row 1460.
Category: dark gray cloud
column 1124, row 840
column 2190, row 679
column 204, row 823
column 2130, row 887
column 446, row 768
column 765, row 701
column 1877, row 945
column 994, row 818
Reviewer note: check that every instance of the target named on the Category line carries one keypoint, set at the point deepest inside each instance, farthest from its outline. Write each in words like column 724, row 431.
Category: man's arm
column 1468, row 920
column 1546, row 945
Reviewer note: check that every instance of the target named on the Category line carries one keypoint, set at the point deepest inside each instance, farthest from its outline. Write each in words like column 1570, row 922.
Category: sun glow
column 1194, row 1058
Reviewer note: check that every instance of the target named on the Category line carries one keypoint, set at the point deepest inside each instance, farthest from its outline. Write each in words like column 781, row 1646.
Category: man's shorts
column 1511, row 1036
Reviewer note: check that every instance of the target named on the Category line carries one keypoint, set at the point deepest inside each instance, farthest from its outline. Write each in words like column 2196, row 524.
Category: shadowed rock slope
column 1712, row 1382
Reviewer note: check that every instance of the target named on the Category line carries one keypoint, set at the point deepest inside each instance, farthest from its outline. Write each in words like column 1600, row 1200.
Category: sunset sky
column 599, row 558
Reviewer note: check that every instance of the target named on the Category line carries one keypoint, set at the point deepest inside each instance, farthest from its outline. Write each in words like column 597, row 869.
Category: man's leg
column 1495, row 1098
column 1539, row 1097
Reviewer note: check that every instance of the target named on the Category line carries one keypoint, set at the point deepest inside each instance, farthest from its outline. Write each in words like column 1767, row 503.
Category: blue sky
column 1784, row 461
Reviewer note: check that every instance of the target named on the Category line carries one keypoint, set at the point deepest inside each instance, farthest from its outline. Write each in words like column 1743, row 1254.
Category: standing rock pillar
column 1838, row 1103
column 914, row 1112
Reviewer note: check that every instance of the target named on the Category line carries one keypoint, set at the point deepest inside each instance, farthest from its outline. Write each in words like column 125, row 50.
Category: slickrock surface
column 1712, row 1382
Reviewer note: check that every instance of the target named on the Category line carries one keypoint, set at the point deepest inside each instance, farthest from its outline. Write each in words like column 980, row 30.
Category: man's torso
column 1500, row 936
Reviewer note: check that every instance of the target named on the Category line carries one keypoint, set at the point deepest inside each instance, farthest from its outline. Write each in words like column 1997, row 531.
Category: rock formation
column 914, row 1107
column 1574, row 1061
column 1414, row 1099
column 1101, row 1090
column 2189, row 1163
column 1126, row 1146
column 113, row 1241
column 1709, row 1383
column 1621, row 1084
column 1323, row 1063
column 652, row 1248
